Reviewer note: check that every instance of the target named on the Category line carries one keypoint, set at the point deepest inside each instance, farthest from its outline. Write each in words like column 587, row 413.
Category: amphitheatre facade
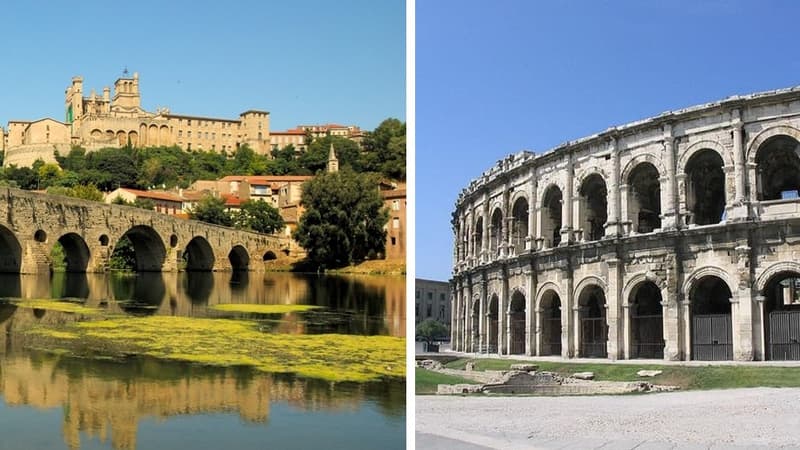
column 675, row 237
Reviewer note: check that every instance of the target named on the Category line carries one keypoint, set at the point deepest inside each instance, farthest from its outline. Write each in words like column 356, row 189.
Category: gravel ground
column 735, row 418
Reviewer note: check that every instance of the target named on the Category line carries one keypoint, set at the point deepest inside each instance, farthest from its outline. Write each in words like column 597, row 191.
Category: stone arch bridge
column 32, row 223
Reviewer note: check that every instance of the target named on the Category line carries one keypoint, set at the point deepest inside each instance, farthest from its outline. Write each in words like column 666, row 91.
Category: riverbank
column 370, row 267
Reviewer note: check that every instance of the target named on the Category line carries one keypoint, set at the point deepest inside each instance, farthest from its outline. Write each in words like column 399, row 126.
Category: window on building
column 189, row 134
column 394, row 240
column 189, row 146
column 206, row 134
column 441, row 312
column 213, row 147
column 180, row 133
column 395, row 205
column 189, row 122
column 213, row 135
column 441, row 296
column 396, row 223
column 430, row 311
column 417, row 293
column 430, row 295
column 416, row 312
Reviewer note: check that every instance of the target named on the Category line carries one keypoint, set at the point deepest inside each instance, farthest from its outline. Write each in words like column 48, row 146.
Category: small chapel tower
column 333, row 162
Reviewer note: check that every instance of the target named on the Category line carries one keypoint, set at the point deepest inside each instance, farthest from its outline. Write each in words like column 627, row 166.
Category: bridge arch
column 10, row 251
column 239, row 258
column 149, row 250
column 199, row 255
column 76, row 252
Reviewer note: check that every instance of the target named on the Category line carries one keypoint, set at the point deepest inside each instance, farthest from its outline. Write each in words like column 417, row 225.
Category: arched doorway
column 647, row 321
column 493, row 318
column 592, row 318
column 782, row 323
column 712, row 337
column 644, row 198
column 517, row 323
column 593, row 207
column 519, row 228
column 551, row 324
column 551, row 216
column 198, row 255
column 705, row 188
column 778, row 169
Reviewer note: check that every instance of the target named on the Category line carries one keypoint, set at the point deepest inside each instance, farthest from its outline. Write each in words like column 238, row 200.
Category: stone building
column 432, row 300
column 106, row 120
column 674, row 237
column 394, row 199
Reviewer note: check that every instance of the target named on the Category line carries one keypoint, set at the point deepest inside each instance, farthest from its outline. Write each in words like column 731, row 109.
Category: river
column 51, row 400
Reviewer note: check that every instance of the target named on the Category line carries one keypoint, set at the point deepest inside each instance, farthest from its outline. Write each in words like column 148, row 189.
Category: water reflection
column 371, row 305
column 107, row 400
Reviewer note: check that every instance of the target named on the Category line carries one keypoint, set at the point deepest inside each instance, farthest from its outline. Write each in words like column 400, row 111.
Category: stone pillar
column 568, row 327
column 743, row 298
column 486, row 221
column 626, row 226
column 530, row 316
column 482, row 320
column 626, row 329
column 532, row 234
column 503, row 329
column 669, row 220
column 761, row 302
column 511, row 249
column 613, row 228
column 740, row 204
column 686, row 307
column 540, row 240
column 671, row 331
column 505, row 234
column 681, row 207
column 453, row 318
column 538, row 330
column 613, row 307
column 566, row 206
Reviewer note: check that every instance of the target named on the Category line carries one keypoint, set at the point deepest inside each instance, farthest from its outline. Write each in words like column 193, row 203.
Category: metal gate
column 551, row 338
column 711, row 337
column 594, row 338
column 784, row 335
column 491, row 347
column 648, row 337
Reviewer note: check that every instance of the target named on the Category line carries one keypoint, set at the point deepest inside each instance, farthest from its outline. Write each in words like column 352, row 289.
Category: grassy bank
column 685, row 377
column 426, row 381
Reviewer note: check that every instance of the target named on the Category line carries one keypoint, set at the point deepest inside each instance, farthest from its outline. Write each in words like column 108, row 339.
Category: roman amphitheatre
column 674, row 237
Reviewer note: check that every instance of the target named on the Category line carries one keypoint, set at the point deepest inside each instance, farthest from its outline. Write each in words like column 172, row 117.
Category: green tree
column 385, row 150
column 430, row 330
column 344, row 218
column 211, row 210
column 21, row 177
column 85, row 192
column 124, row 255
column 315, row 159
column 258, row 216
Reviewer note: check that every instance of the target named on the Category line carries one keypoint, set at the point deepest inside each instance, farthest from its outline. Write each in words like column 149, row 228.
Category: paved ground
column 722, row 419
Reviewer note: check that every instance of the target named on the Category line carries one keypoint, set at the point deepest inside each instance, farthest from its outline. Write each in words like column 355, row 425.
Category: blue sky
column 304, row 61
column 494, row 78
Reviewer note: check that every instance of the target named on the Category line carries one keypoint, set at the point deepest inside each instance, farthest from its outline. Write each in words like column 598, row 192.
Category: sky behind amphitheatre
column 305, row 61
column 495, row 78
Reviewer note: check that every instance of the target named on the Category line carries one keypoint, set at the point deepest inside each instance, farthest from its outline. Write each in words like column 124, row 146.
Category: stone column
column 486, row 221
column 453, row 315
column 761, row 302
column 681, row 208
column 613, row 303
column 511, row 249
column 613, row 228
column 626, row 329
column 538, row 330
column 669, row 219
column 686, row 307
column 671, row 331
column 567, row 324
column 532, row 233
column 530, row 316
column 503, row 329
column 626, row 226
column 743, row 298
column 566, row 206
column 505, row 234
column 740, row 207
column 482, row 320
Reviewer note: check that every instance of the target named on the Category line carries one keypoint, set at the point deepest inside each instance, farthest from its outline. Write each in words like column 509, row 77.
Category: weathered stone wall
column 502, row 249
column 31, row 224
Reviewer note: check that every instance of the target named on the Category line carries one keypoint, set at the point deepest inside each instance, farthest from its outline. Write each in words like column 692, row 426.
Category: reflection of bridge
column 31, row 224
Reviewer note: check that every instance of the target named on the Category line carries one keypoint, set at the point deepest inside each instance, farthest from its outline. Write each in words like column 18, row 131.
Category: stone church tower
column 333, row 162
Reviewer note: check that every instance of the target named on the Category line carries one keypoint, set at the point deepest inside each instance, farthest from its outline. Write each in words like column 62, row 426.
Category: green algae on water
column 251, row 308
column 53, row 305
column 227, row 342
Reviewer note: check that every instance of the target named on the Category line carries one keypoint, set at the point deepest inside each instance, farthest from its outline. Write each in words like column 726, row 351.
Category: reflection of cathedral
column 108, row 401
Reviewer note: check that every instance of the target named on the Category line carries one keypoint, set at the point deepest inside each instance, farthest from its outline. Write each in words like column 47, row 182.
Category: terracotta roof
column 231, row 200
column 292, row 132
column 266, row 179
